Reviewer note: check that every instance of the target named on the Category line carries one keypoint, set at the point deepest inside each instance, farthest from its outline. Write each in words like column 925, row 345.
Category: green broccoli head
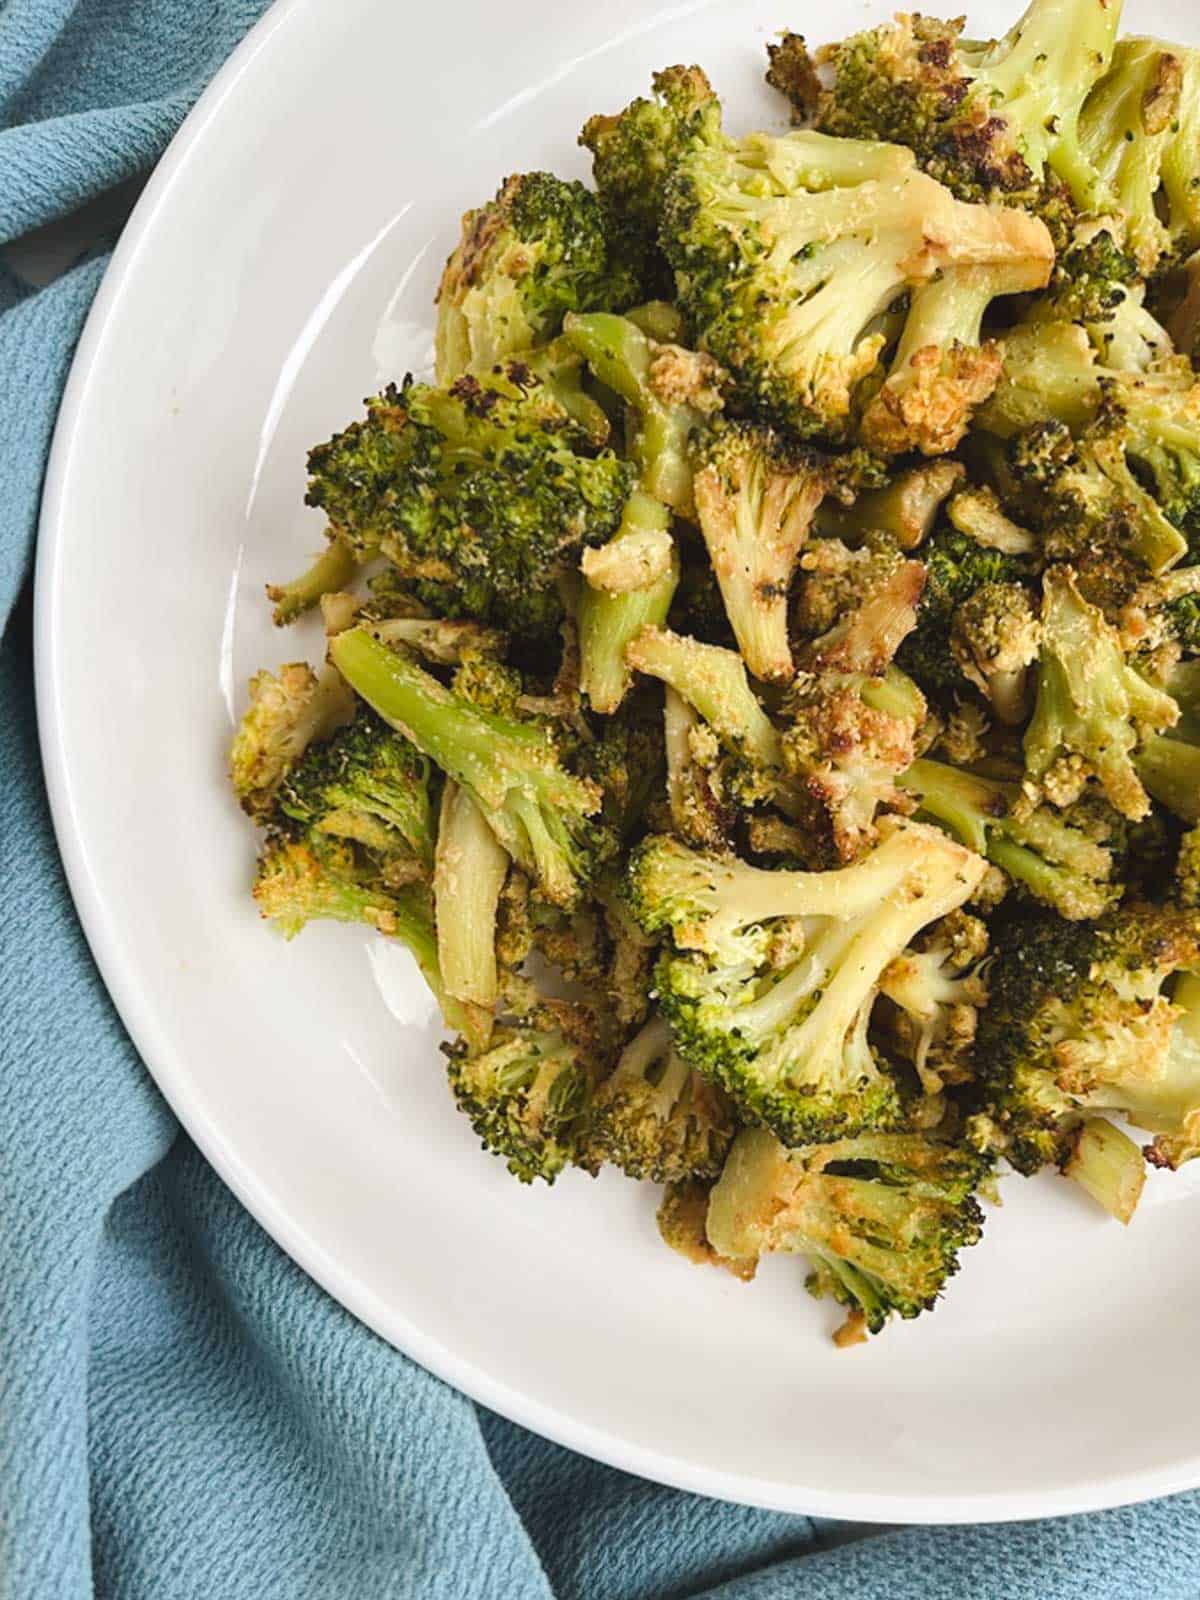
column 994, row 119
column 1087, row 1018
column 881, row 1217
column 543, row 815
column 288, row 711
column 771, row 976
column 366, row 783
column 479, row 491
column 528, row 1095
column 655, row 1117
column 788, row 251
column 541, row 248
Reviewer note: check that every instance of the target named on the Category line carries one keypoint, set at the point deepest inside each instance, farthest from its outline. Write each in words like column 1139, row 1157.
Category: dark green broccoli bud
column 669, row 392
column 1092, row 276
column 1052, row 858
column 333, row 569
column 1108, row 1166
column 881, row 1218
column 1093, row 709
column 480, row 488
column 629, row 584
column 657, row 1118
column 288, row 711
column 1139, row 130
column 366, row 783
column 1091, row 1018
column 994, row 119
column 528, row 1096
column 1169, row 764
column 772, row 977
column 957, row 566
column 903, row 511
column 540, row 812
column 792, row 72
column 541, row 248
column 633, row 152
column 787, row 251
column 756, row 494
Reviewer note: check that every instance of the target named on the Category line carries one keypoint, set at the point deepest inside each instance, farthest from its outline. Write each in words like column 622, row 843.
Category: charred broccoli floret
column 756, row 494
column 541, row 813
column 366, row 783
column 787, row 251
column 1093, row 708
column 999, row 118
column 856, row 607
column 482, row 489
column 994, row 637
column 655, row 1117
column 288, row 711
column 773, row 975
column 1051, row 856
column 541, row 248
column 528, row 1095
column 881, row 1218
column 1092, row 1018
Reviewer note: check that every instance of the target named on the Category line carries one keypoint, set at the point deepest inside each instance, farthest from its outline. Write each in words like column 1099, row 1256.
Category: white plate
column 279, row 266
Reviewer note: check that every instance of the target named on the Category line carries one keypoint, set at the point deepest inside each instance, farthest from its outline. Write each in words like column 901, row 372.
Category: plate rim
column 169, row 1072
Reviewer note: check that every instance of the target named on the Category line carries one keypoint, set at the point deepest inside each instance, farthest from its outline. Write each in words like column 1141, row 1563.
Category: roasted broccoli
column 937, row 990
column 629, row 584
column 773, row 975
column 881, row 1218
column 288, row 711
column 1169, row 764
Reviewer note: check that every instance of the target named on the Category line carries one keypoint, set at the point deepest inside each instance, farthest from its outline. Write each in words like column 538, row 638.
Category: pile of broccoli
column 761, row 678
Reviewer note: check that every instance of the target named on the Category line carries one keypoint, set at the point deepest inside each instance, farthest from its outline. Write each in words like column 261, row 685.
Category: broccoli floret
column 977, row 512
column 287, row 712
column 756, row 494
column 1108, row 1165
column 668, row 390
column 957, row 566
column 633, row 152
column 332, row 570
column 881, row 1218
column 1088, row 1018
column 989, row 119
column 480, row 489
column 1052, row 857
column 657, row 1118
column 903, row 511
column 792, row 72
column 528, row 1095
column 938, row 990
column 629, row 584
column 849, row 738
column 1093, row 709
column 860, row 604
column 787, row 251
column 469, row 872
column 943, row 367
column 541, row 248
column 772, row 976
column 994, row 637
column 1091, row 279
column 699, row 788
column 540, row 812
column 366, row 783
column 1139, row 130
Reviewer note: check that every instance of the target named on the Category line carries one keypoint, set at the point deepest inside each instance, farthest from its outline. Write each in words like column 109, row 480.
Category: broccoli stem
column 333, row 569
column 608, row 621
column 1170, row 770
column 1109, row 1166
column 714, row 681
column 659, row 320
column 469, row 872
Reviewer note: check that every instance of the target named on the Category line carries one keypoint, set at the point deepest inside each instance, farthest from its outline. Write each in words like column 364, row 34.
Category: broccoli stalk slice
column 332, row 570
column 609, row 620
column 1092, row 708
column 656, row 1118
column 881, row 1217
column 1108, row 1166
column 905, row 509
column 624, row 359
column 756, row 498
column 943, row 367
column 773, row 976
column 469, row 872
column 538, row 811
column 1170, row 770
column 1054, row 861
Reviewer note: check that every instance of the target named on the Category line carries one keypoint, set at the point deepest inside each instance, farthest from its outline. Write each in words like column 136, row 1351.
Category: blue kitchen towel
column 182, row 1412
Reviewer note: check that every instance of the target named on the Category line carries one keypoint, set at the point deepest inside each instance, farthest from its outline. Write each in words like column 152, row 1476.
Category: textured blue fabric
column 182, row 1412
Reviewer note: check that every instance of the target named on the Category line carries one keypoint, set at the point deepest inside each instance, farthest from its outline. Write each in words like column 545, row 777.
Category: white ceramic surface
column 280, row 264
